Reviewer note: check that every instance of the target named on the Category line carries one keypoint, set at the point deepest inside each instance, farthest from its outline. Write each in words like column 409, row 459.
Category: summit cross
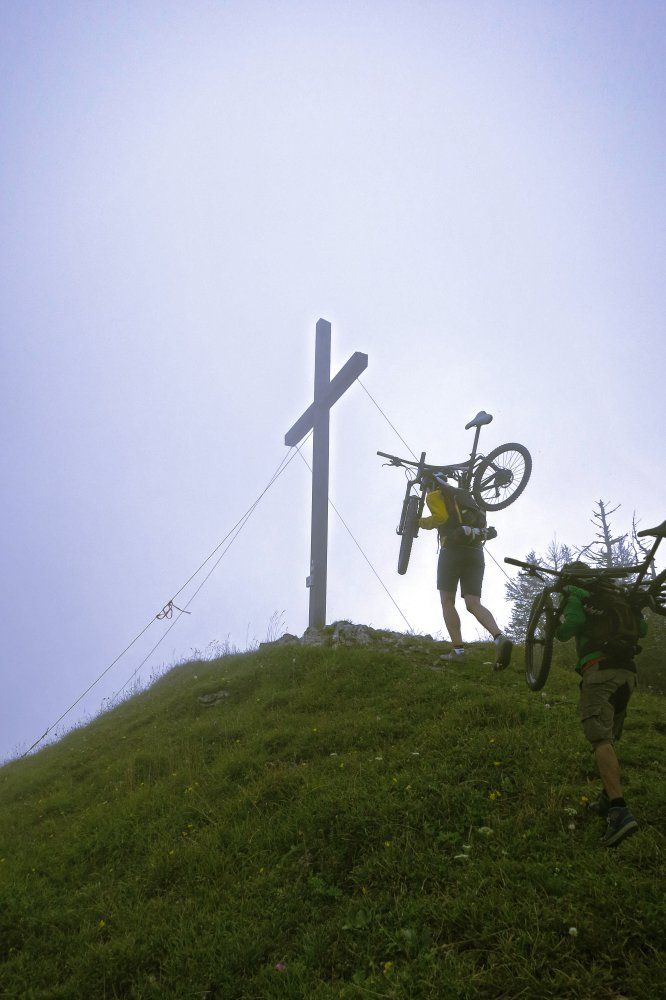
column 327, row 391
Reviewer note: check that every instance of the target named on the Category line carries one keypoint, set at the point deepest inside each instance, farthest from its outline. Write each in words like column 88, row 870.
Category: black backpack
column 613, row 624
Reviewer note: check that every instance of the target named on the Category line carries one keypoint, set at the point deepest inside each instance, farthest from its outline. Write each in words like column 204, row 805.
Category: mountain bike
column 545, row 615
column 486, row 482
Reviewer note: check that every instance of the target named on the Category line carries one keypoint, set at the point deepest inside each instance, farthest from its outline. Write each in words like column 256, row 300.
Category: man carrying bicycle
column 462, row 530
column 606, row 627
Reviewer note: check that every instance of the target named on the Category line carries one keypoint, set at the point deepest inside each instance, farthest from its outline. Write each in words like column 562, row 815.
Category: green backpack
column 612, row 625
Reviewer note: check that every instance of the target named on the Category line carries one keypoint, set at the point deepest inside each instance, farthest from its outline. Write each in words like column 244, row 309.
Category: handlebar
column 591, row 575
column 531, row 567
column 397, row 461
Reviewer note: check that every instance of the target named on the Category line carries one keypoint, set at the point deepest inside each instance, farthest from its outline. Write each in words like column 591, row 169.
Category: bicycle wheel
column 502, row 476
column 409, row 530
column 539, row 641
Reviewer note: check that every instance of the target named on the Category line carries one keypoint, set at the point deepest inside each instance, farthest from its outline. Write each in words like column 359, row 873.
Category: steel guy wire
column 359, row 547
column 183, row 611
column 386, row 418
column 240, row 524
column 81, row 696
column 498, row 565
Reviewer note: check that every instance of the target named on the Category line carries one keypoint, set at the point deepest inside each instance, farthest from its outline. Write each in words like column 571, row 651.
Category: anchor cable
column 386, row 418
column 356, row 543
column 239, row 526
column 168, row 608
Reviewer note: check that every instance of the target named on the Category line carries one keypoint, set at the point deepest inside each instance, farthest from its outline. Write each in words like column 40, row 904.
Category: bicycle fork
column 408, row 493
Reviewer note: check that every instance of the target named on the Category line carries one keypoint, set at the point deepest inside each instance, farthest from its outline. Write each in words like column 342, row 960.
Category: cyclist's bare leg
column 451, row 617
column 609, row 769
column 482, row 615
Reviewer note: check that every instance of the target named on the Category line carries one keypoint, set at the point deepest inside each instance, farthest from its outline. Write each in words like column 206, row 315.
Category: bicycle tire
column 539, row 641
column 482, row 483
column 409, row 530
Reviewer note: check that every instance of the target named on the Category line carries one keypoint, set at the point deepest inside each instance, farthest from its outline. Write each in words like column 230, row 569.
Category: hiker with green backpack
column 606, row 626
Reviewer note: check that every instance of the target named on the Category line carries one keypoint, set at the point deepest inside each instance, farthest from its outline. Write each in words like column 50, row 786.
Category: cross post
column 327, row 391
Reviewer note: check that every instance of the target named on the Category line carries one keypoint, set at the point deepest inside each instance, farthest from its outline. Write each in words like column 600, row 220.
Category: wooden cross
column 327, row 391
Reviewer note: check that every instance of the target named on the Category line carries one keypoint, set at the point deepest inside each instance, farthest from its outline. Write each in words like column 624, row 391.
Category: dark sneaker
column 619, row 824
column 503, row 647
column 600, row 806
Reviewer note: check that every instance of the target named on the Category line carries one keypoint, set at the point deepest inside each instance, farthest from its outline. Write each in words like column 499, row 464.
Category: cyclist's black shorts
column 460, row 563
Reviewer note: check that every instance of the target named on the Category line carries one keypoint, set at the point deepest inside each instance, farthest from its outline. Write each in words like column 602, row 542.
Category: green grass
column 378, row 828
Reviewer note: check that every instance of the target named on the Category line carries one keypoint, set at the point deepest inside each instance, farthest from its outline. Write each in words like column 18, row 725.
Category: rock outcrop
column 345, row 633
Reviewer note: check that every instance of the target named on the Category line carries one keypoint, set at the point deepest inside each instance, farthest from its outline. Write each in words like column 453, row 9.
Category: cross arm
column 337, row 386
column 347, row 374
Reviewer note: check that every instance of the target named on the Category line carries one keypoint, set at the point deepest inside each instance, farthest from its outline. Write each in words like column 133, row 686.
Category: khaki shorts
column 604, row 696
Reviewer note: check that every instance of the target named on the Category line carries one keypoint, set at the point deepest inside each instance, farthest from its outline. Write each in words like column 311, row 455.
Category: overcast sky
column 472, row 193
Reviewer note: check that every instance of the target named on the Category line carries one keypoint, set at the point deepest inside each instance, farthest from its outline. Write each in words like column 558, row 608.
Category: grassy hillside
column 341, row 823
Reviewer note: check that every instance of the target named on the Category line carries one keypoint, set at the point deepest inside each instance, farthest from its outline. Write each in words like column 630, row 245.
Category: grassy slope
column 316, row 818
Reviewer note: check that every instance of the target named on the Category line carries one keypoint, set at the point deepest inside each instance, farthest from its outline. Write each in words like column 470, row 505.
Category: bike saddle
column 658, row 532
column 479, row 420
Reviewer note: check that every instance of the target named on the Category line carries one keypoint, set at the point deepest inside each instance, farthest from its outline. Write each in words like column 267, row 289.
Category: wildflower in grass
column 387, row 967
column 492, row 739
column 101, row 924
column 572, row 826
column 497, row 763
column 494, row 795
column 584, row 800
column 379, row 758
column 387, row 843
column 415, row 753
column 485, row 831
column 573, row 932
column 280, row 966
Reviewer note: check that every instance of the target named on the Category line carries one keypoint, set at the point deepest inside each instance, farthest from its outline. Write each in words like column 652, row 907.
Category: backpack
column 451, row 510
column 612, row 625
